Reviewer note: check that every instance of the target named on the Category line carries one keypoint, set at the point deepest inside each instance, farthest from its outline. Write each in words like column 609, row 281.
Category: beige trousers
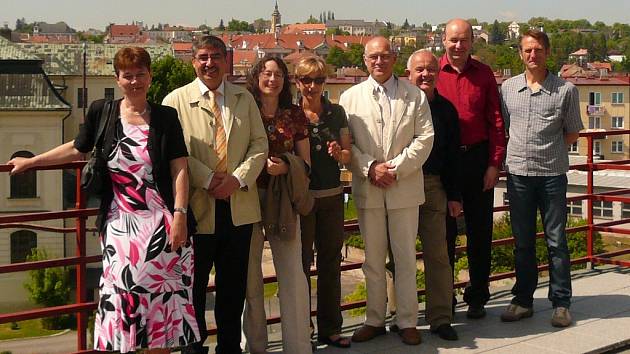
column 438, row 273
column 293, row 293
column 402, row 225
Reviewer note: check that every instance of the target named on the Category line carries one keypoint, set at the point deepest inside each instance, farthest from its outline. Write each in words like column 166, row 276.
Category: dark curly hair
column 286, row 99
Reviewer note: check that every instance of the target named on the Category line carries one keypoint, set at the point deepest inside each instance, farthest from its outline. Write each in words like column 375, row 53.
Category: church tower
column 275, row 19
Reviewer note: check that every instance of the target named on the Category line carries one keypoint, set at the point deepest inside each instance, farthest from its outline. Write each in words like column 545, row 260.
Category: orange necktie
column 220, row 143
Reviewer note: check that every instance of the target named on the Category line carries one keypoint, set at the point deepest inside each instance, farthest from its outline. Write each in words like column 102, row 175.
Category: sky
column 85, row 14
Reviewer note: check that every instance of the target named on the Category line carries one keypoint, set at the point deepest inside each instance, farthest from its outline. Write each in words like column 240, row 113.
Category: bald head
column 423, row 68
column 379, row 59
column 458, row 41
column 421, row 54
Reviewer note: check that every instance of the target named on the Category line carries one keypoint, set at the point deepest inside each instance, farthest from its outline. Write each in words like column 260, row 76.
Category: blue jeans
column 526, row 195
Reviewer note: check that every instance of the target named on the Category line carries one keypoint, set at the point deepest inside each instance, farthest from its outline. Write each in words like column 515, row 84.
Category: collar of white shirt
column 203, row 89
column 389, row 85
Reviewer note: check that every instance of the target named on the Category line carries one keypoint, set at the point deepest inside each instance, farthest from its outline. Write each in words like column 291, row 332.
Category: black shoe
column 445, row 331
column 195, row 348
column 476, row 312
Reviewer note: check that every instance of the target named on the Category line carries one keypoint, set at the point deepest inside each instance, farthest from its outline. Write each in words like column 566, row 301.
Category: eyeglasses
column 374, row 57
column 207, row 58
column 309, row 80
column 268, row 74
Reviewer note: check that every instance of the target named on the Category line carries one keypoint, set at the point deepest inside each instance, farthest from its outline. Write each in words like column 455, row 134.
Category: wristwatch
column 181, row 210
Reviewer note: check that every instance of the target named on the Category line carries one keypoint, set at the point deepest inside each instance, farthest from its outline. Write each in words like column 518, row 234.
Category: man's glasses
column 309, row 80
column 207, row 58
column 374, row 57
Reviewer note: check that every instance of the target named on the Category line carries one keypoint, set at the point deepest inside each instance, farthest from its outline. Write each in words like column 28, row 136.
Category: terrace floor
column 601, row 312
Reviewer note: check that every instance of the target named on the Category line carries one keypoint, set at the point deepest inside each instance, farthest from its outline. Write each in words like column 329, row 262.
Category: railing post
column 589, row 202
column 81, row 267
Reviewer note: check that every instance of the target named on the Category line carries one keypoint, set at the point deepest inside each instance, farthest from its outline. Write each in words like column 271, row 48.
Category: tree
column 221, row 26
column 169, row 73
column 312, row 19
column 405, row 25
column 48, row 287
column 337, row 57
column 261, row 25
column 239, row 26
column 497, row 36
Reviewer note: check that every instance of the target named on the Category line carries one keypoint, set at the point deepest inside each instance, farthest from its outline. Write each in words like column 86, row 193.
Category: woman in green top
column 323, row 227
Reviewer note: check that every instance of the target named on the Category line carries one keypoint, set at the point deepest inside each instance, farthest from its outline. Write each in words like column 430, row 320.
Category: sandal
column 340, row 342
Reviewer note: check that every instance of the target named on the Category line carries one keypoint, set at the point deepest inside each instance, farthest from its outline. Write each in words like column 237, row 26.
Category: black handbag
column 94, row 172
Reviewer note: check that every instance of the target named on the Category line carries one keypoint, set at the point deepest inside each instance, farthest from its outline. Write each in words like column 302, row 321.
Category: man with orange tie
column 228, row 147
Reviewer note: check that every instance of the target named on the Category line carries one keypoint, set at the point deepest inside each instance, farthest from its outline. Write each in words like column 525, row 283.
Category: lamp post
column 84, row 92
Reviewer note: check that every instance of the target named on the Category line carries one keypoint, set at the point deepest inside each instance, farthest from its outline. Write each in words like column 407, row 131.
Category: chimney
column 230, row 60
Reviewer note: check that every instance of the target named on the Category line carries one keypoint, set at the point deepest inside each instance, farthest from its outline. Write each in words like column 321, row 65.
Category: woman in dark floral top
column 286, row 129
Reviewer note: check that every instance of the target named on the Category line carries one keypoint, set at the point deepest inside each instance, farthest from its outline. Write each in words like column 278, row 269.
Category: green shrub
column 359, row 293
column 49, row 287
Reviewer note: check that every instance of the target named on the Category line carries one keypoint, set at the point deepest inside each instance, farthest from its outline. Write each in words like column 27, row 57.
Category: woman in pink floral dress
column 146, row 286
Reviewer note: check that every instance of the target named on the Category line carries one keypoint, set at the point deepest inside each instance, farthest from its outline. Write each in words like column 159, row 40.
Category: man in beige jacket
column 390, row 122
column 228, row 147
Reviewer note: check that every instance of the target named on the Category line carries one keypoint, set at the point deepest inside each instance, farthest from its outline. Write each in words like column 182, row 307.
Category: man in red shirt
column 471, row 87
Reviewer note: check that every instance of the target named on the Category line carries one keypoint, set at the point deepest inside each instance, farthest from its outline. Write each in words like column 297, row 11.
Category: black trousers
column 228, row 251
column 478, row 205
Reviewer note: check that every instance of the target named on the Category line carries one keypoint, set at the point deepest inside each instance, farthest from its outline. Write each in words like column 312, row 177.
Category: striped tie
column 220, row 143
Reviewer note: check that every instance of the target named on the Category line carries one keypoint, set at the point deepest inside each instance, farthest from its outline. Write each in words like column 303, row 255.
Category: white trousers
column 402, row 226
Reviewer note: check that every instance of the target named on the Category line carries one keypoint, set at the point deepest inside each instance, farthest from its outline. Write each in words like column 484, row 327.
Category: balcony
column 595, row 110
column 601, row 298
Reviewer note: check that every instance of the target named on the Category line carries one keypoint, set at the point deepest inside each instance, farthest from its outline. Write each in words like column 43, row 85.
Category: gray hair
column 423, row 50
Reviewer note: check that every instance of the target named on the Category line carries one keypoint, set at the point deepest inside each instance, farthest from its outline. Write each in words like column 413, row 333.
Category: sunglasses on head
column 309, row 80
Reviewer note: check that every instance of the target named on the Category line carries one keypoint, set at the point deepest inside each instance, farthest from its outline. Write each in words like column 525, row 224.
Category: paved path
column 601, row 310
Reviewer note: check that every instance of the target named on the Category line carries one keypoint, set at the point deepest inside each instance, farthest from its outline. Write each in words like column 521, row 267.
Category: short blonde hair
column 310, row 64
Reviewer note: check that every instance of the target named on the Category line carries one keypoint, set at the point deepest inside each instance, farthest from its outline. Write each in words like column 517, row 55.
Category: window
column 602, row 209
column 594, row 98
column 82, row 99
column 574, row 208
column 597, row 147
column 594, row 122
column 109, row 93
column 24, row 185
column 625, row 210
column 617, row 97
column 617, row 122
column 22, row 242
column 506, row 199
column 617, row 146
column 573, row 148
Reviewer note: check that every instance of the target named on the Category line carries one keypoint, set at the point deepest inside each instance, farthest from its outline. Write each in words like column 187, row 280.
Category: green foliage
column 351, row 57
column 503, row 256
column 401, row 61
column 499, row 57
column 239, row 26
column 169, row 73
column 497, row 33
column 48, row 287
column 312, row 19
column 221, row 26
column 359, row 293
column 90, row 38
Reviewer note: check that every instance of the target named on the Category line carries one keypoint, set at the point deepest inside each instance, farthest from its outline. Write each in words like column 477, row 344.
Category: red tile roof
column 299, row 28
column 244, row 56
column 124, row 30
column 182, row 46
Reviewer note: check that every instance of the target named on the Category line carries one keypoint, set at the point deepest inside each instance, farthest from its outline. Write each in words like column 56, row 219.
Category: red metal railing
column 82, row 308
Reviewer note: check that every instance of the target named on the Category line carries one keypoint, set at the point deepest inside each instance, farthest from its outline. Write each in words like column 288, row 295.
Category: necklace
column 140, row 113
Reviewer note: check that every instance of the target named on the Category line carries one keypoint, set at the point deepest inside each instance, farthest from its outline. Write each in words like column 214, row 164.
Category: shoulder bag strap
column 102, row 123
